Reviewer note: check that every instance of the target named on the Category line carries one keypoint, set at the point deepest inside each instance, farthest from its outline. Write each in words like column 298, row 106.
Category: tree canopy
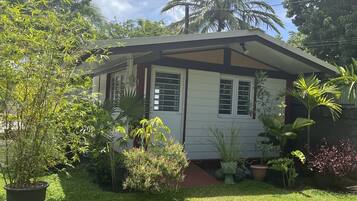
column 40, row 87
column 134, row 28
column 218, row 15
column 328, row 28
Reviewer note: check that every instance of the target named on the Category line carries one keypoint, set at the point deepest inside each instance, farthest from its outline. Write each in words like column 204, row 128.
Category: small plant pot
column 229, row 169
column 259, row 172
column 36, row 193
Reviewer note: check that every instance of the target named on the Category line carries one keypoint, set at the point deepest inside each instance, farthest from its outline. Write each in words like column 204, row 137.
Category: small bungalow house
column 197, row 81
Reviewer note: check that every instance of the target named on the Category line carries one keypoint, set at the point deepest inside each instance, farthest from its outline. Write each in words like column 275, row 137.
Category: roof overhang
column 260, row 45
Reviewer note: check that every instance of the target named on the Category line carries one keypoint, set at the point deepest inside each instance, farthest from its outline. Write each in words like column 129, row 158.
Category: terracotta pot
column 259, row 172
column 36, row 193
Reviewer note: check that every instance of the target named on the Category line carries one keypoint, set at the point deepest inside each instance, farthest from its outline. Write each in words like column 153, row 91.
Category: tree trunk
column 220, row 26
column 308, row 131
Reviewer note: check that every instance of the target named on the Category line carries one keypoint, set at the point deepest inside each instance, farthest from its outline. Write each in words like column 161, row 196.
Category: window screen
column 167, row 92
column 117, row 85
column 225, row 96
column 243, row 106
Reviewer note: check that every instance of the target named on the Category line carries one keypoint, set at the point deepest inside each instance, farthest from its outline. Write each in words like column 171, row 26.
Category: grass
column 79, row 187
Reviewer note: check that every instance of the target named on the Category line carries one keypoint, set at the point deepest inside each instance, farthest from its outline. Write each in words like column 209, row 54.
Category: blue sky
column 150, row 9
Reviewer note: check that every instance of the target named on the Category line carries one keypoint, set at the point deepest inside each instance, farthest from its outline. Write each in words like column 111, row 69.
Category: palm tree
column 312, row 94
column 348, row 80
column 218, row 15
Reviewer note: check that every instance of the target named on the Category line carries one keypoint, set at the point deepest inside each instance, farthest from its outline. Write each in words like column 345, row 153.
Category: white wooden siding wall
column 202, row 113
column 99, row 86
column 95, row 84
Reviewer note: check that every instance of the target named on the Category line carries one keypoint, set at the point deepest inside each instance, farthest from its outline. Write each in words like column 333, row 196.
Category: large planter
column 229, row 169
column 259, row 172
column 37, row 193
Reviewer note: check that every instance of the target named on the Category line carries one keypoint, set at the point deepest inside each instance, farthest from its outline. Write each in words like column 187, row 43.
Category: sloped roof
column 263, row 46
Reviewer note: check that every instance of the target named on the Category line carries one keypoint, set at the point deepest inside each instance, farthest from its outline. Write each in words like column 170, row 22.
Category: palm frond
column 312, row 93
column 347, row 80
column 213, row 15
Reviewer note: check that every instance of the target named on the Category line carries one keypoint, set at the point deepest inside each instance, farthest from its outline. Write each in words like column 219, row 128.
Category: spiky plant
column 226, row 145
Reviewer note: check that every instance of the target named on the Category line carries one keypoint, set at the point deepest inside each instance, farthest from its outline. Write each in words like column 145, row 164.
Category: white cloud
column 134, row 9
column 122, row 9
column 175, row 14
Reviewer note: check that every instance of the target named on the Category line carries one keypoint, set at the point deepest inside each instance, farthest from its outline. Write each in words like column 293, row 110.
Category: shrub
column 287, row 167
column 103, row 161
column 40, row 48
column 99, row 165
column 334, row 160
column 158, row 169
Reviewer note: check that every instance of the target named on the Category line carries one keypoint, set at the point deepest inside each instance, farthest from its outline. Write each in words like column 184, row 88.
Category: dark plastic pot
column 37, row 193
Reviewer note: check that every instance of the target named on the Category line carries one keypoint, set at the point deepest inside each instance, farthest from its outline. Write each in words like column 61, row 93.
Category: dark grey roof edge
column 157, row 40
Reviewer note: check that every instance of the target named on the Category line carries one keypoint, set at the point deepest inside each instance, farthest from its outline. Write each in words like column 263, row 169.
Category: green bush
column 99, row 162
column 99, row 165
column 157, row 169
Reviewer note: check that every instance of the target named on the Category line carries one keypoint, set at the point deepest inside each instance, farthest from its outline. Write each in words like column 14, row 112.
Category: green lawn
column 79, row 188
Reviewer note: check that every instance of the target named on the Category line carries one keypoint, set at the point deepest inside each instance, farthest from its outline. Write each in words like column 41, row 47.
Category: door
column 167, row 97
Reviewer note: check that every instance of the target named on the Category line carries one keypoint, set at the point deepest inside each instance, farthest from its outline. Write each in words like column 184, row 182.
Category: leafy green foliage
column 41, row 89
column 213, row 15
column 312, row 94
column 158, row 169
column 299, row 155
column 227, row 145
column 152, row 131
column 266, row 104
column 119, row 116
column 103, row 161
column 296, row 39
column 130, row 107
column 279, row 133
column 347, row 80
column 265, row 146
column 134, row 28
column 287, row 167
column 330, row 28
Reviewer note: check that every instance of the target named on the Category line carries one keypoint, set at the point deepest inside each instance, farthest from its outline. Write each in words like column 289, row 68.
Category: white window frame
column 160, row 69
column 112, row 77
column 234, row 111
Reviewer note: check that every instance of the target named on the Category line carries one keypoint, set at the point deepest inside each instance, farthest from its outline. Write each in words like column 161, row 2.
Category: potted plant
column 277, row 133
column 41, row 91
column 228, row 150
column 259, row 171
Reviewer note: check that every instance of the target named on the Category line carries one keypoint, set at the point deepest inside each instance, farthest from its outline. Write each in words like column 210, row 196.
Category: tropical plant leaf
column 302, row 123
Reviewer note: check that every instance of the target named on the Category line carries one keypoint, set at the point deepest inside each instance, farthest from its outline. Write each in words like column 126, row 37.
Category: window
column 243, row 105
column 167, row 92
column 225, row 96
column 235, row 96
column 117, row 85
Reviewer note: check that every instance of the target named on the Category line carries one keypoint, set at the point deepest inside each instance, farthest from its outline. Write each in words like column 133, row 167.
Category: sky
column 123, row 10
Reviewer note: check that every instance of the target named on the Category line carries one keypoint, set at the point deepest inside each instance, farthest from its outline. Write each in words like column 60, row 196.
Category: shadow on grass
column 79, row 187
